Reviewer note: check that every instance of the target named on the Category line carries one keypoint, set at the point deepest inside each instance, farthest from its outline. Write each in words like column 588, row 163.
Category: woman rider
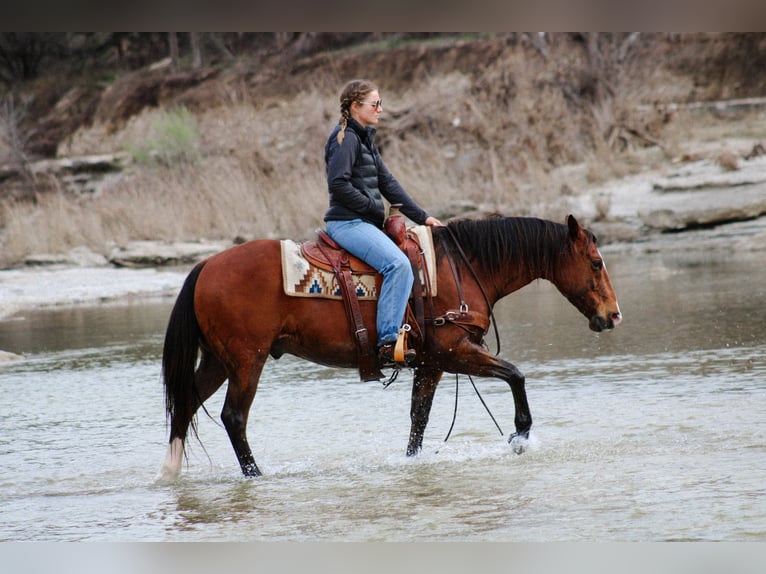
column 358, row 179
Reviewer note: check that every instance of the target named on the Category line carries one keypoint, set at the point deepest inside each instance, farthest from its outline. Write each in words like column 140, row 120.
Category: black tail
column 179, row 359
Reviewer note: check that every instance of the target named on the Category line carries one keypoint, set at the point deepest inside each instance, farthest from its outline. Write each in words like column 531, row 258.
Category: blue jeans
column 375, row 248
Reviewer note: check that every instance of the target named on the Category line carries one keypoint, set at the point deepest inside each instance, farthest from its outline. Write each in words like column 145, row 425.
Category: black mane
column 496, row 242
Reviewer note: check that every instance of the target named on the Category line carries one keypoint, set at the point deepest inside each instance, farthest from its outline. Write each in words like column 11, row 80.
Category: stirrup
column 401, row 353
column 387, row 357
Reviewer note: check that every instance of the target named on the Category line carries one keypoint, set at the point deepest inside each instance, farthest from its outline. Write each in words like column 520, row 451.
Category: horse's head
column 582, row 278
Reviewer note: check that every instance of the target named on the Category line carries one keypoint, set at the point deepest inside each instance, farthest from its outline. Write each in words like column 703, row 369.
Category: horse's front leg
column 423, row 390
column 473, row 359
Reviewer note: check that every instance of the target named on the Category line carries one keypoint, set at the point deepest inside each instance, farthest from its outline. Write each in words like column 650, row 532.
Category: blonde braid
column 345, row 108
column 354, row 91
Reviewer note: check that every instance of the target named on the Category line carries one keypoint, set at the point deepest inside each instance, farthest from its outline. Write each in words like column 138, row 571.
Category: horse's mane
column 496, row 241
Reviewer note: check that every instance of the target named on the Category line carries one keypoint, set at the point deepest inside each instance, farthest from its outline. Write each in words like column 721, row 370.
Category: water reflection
column 133, row 328
column 228, row 502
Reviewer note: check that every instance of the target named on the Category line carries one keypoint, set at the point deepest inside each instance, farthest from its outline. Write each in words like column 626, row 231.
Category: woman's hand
column 433, row 222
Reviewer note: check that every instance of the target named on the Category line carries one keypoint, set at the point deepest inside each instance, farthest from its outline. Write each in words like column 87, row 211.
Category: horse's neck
column 529, row 264
column 497, row 286
column 518, row 274
column 516, row 280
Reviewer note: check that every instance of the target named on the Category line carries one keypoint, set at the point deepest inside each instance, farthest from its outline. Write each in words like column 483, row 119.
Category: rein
column 463, row 304
column 464, row 311
column 486, row 408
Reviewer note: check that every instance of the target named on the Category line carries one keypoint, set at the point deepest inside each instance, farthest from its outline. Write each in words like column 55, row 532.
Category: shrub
column 174, row 139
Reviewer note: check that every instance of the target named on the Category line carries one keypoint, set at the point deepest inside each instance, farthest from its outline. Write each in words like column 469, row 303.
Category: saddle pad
column 426, row 240
column 302, row 279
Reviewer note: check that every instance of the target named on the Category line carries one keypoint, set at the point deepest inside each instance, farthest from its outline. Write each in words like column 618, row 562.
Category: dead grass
column 496, row 139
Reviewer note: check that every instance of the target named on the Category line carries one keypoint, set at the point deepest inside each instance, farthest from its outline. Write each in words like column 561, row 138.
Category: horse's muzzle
column 599, row 323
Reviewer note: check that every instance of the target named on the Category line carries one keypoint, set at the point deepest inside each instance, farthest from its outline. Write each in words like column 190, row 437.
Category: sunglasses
column 377, row 105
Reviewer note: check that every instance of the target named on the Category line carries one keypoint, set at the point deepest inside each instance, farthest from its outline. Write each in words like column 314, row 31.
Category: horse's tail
column 179, row 359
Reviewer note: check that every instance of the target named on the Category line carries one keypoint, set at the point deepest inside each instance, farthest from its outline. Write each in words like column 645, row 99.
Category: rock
column 78, row 175
column 84, row 257
column 79, row 256
column 158, row 253
column 134, row 254
column 6, row 356
column 728, row 161
column 700, row 244
column 708, row 174
column 614, row 231
column 678, row 211
column 698, row 194
column 100, row 163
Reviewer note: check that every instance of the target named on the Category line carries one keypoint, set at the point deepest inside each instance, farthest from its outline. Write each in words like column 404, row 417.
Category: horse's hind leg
column 236, row 408
column 423, row 389
column 208, row 378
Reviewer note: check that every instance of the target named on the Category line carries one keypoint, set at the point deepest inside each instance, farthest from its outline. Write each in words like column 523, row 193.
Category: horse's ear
column 574, row 227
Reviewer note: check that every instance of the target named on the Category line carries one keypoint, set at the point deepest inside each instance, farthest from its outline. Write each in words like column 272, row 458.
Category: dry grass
column 233, row 188
column 497, row 139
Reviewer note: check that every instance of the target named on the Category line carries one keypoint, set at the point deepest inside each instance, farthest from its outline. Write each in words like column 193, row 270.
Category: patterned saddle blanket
column 302, row 278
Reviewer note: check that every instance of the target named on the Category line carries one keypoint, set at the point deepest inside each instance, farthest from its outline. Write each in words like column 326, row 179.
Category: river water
column 652, row 432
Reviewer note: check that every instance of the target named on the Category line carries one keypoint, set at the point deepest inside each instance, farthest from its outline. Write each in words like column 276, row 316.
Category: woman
column 358, row 180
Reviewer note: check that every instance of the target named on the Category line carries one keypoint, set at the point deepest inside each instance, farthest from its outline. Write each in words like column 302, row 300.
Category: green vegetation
column 173, row 139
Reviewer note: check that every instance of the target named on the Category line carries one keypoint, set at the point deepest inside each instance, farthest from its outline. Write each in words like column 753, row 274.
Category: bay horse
column 232, row 314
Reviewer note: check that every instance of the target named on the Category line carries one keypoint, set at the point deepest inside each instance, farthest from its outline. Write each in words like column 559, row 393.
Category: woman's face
column 368, row 110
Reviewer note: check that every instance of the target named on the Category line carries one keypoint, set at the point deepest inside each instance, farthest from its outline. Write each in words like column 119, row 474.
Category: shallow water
column 652, row 432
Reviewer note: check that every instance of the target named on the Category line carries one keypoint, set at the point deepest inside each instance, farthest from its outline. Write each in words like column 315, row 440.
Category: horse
column 232, row 313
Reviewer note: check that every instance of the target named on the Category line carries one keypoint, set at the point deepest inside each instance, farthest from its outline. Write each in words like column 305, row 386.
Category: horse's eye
column 597, row 264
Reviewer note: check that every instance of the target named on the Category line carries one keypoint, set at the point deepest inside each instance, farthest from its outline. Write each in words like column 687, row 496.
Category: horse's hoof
column 251, row 470
column 518, row 442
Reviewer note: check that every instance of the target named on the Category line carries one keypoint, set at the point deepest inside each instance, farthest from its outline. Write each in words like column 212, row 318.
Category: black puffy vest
column 364, row 175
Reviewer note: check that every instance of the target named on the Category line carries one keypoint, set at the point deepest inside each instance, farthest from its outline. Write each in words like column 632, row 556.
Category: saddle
column 326, row 254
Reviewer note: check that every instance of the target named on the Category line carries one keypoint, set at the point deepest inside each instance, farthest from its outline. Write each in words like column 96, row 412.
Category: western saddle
column 328, row 255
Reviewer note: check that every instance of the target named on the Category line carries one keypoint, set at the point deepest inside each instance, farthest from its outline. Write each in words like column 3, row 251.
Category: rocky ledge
column 701, row 195
column 135, row 254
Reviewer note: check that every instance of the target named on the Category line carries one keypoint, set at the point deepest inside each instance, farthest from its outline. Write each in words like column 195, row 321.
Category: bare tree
column 13, row 138
column 173, row 45
column 197, row 44
column 197, row 50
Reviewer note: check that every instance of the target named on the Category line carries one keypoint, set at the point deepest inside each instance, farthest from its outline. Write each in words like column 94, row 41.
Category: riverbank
column 698, row 207
column 157, row 269
column 69, row 284
column 138, row 270
column 62, row 285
